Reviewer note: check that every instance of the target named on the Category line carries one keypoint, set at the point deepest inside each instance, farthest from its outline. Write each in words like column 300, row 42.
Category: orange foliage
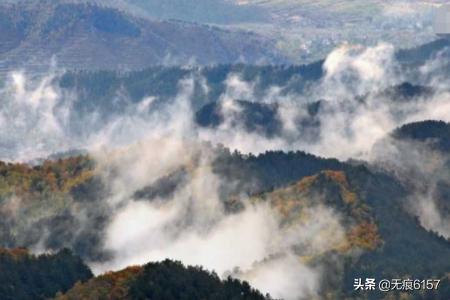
column 340, row 178
column 59, row 176
column 304, row 184
column 111, row 285
column 365, row 236
column 337, row 176
column 16, row 253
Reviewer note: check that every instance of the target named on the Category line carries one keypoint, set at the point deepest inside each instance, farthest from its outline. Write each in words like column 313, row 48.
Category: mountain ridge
column 87, row 36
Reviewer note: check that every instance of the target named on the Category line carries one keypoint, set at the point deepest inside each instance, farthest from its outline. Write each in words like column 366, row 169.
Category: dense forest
column 391, row 241
column 65, row 276
column 166, row 280
column 26, row 276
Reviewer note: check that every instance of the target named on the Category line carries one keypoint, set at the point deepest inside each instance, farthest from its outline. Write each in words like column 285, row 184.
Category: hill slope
column 381, row 236
column 25, row 276
column 162, row 281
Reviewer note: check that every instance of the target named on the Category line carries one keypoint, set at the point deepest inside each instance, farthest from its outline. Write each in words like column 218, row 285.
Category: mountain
column 170, row 150
column 435, row 134
column 65, row 194
column 87, row 36
column 378, row 220
column 418, row 55
column 293, row 80
column 206, row 31
column 308, row 30
column 381, row 236
column 305, row 30
column 201, row 11
column 64, row 276
column 268, row 92
column 48, row 194
column 26, row 276
column 376, row 205
column 391, row 240
column 95, row 89
column 260, row 118
column 165, row 280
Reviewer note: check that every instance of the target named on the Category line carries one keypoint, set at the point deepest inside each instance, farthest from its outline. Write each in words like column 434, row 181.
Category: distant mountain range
column 222, row 12
column 85, row 36
column 133, row 34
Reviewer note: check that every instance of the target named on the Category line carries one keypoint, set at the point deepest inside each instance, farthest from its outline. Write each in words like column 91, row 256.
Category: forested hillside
column 390, row 239
column 26, row 276
column 165, row 280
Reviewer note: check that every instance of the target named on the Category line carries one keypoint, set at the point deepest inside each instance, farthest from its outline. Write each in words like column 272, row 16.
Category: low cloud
column 145, row 142
column 193, row 226
column 423, row 171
